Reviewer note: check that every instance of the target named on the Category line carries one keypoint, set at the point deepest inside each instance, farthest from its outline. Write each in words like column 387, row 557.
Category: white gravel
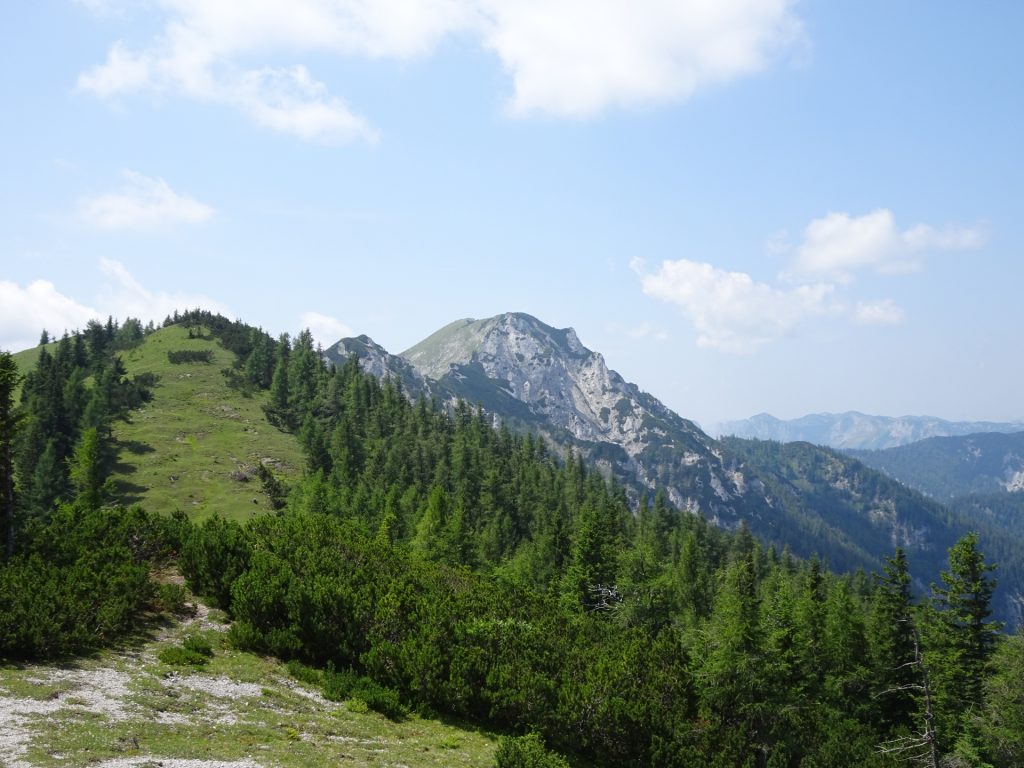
column 221, row 687
column 101, row 691
column 173, row 762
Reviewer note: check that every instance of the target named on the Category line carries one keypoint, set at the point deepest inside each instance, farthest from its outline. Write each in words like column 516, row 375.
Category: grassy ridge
column 196, row 444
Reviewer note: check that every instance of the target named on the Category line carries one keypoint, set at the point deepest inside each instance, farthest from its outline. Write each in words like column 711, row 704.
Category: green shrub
column 347, row 684
column 380, row 699
column 242, row 637
column 304, row 674
column 338, row 685
column 526, row 752
column 194, row 651
column 213, row 556
column 179, row 356
column 81, row 581
column 173, row 598
column 198, row 644
column 358, row 706
column 177, row 656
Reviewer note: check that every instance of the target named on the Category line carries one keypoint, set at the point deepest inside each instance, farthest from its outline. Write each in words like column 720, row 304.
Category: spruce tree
column 9, row 420
column 893, row 645
column 964, row 605
column 87, row 471
column 279, row 408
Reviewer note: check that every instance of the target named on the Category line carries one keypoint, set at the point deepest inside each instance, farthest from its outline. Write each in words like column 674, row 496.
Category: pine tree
column 9, row 420
column 87, row 470
column 893, row 644
column 259, row 366
column 965, row 635
column 304, row 367
column 279, row 408
column 48, row 483
column 432, row 528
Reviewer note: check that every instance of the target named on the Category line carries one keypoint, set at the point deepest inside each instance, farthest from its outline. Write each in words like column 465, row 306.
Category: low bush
column 180, row 356
column 81, row 580
column 526, row 752
column 305, row 674
column 213, row 555
column 179, row 656
column 198, row 644
column 173, row 598
column 339, row 685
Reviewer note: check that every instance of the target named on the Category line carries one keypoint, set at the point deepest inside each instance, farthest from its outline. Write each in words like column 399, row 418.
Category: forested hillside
column 434, row 561
column 949, row 467
column 541, row 380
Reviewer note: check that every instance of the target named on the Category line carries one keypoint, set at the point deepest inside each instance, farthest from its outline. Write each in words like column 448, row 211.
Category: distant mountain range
column 807, row 498
column 857, row 431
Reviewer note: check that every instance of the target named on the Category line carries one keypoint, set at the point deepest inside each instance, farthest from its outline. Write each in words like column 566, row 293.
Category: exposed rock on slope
column 376, row 360
column 542, row 377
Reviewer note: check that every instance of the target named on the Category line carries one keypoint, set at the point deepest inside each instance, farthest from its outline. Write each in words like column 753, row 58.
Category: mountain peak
column 374, row 359
column 544, row 377
column 468, row 340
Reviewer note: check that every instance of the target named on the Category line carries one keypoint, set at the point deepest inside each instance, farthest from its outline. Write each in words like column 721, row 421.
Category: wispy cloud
column 325, row 329
column 141, row 203
column 568, row 58
column 838, row 245
column 127, row 297
column 882, row 312
column 26, row 311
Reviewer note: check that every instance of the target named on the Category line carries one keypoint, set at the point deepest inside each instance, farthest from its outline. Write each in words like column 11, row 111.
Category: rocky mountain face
column 807, row 498
column 533, row 376
column 376, row 360
column 857, row 431
column 542, row 377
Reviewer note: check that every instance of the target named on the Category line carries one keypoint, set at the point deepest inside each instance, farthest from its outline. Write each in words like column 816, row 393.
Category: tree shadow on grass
column 128, row 493
column 135, row 447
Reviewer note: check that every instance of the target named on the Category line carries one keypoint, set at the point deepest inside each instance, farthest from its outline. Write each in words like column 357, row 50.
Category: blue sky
column 745, row 205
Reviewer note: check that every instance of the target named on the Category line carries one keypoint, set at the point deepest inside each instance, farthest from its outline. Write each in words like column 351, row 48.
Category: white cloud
column 730, row 310
column 123, row 72
column 25, row 312
column 290, row 101
column 838, row 245
column 577, row 58
column 124, row 296
column 572, row 58
column 326, row 330
column 141, row 203
column 734, row 313
column 883, row 312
